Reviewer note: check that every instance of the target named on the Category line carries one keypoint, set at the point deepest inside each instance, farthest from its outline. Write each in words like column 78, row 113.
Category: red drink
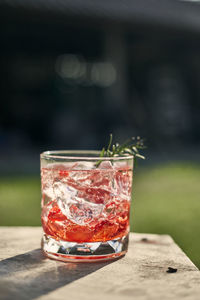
column 104, row 215
column 82, row 203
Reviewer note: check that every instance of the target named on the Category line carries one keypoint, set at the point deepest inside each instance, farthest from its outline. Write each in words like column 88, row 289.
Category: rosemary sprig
column 131, row 147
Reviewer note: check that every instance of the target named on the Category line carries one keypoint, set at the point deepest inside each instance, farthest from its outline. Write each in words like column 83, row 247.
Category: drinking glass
column 85, row 205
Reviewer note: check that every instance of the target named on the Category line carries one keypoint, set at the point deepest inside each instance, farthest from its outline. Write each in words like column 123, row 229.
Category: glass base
column 84, row 252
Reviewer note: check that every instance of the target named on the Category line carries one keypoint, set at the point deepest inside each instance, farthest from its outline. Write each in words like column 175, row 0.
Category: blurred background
column 71, row 72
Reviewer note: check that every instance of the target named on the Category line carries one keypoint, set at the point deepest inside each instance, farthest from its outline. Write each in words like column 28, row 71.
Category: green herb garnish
column 131, row 147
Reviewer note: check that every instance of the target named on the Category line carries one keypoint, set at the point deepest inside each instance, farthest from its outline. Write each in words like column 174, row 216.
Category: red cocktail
column 85, row 205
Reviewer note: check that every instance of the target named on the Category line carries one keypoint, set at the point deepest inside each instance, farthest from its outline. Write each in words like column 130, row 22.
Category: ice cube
column 47, row 183
column 60, row 166
column 49, row 192
column 76, row 209
column 60, row 190
column 80, row 177
column 106, row 165
column 83, row 165
column 83, row 212
column 122, row 182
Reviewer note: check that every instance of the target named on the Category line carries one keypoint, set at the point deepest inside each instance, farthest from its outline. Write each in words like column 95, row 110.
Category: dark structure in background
column 74, row 71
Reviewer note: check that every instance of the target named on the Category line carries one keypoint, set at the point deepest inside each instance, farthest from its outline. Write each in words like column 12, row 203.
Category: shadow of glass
column 30, row 275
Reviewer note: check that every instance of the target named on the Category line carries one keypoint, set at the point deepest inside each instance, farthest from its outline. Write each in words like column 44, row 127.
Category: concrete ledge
column 26, row 274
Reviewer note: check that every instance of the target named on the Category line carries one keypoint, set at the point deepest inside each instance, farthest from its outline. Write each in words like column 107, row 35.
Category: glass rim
column 72, row 155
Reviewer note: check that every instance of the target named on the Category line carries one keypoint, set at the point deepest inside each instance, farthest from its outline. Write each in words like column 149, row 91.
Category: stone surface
column 26, row 274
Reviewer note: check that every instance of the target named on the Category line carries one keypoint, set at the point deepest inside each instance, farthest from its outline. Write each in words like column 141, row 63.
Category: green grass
column 20, row 201
column 165, row 200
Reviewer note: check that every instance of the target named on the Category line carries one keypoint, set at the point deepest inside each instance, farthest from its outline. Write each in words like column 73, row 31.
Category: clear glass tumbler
column 85, row 205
